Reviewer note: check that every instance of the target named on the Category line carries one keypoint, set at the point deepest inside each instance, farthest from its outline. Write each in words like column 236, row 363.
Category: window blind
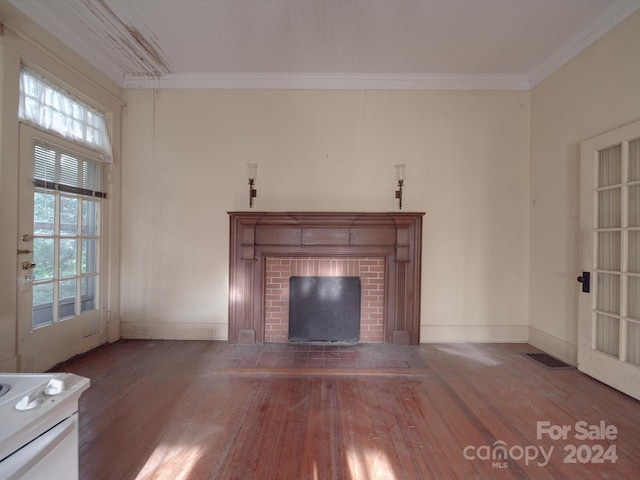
column 59, row 170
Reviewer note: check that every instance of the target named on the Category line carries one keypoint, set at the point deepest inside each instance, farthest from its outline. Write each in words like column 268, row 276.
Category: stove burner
column 4, row 388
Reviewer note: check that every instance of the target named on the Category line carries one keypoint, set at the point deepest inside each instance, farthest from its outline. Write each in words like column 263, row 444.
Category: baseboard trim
column 565, row 351
column 428, row 334
column 42, row 363
column 474, row 333
column 173, row 331
column 9, row 364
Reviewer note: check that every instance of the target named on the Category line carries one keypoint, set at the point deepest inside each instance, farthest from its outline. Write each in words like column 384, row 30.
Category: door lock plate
column 585, row 280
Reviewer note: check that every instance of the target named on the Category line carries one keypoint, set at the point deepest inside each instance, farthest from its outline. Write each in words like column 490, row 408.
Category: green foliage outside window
column 70, row 241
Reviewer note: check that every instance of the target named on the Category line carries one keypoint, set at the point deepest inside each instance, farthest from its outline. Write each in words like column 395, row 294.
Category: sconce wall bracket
column 253, row 193
column 399, row 193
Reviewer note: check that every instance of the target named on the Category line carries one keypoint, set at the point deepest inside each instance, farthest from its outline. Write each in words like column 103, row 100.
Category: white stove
column 39, row 425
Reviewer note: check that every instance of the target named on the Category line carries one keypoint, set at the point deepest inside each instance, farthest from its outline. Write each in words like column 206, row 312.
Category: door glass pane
column 608, row 298
column 68, row 257
column 88, row 293
column 607, row 334
column 67, row 296
column 609, row 208
column 609, row 251
column 89, row 218
column 89, row 257
column 44, row 213
column 610, row 166
column 42, row 304
column 43, row 249
column 633, row 343
column 634, row 252
column 633, row 298
column 633, row 218
column 68, row 216
column 634, row 160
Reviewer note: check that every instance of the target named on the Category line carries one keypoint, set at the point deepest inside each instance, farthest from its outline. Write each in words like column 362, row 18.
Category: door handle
column 585, row 280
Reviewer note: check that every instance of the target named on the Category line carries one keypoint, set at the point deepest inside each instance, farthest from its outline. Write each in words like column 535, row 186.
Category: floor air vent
column 548, row 361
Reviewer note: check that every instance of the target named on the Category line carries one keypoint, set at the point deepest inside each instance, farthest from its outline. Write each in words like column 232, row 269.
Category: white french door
column 59, row 251
column 609, row 305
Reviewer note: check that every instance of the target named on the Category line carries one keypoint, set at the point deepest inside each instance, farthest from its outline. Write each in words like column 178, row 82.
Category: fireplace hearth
column 395, row 238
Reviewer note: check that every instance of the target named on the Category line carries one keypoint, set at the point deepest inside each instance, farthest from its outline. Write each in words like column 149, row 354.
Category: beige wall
column 185, row 166
column 595, row 92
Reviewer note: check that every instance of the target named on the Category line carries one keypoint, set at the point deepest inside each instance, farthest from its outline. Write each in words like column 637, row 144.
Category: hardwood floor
column 206, row 410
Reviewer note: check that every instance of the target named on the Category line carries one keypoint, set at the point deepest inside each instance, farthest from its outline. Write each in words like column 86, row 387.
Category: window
column 66, row 234
column 44, row 105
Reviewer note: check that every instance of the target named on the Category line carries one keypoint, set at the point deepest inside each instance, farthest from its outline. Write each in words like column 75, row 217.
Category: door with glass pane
column 609, row 303
column 59, row 251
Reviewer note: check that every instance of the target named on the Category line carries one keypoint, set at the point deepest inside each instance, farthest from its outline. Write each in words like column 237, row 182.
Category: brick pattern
column 279, row 269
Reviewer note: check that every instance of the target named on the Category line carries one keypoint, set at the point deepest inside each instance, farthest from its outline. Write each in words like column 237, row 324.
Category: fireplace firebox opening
column 324, row 309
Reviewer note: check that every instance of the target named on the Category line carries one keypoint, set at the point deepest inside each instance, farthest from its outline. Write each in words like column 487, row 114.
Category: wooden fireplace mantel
column 395, row 236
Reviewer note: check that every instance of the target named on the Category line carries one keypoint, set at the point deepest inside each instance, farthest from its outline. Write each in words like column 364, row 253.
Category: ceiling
column 501, row 44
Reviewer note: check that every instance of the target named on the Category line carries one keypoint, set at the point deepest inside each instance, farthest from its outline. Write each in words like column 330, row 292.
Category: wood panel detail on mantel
column 394, row 236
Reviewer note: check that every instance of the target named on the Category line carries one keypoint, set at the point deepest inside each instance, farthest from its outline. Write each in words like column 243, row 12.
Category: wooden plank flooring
column 206, row 410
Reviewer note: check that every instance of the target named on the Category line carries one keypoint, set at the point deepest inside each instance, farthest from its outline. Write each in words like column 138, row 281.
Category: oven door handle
column 19, row 464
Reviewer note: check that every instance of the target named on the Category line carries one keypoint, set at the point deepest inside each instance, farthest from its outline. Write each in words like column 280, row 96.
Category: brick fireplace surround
column 276, row 298
column 383, row 249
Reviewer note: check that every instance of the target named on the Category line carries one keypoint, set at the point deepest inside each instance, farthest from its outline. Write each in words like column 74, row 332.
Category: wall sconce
column 252, row 169
column 400, row 179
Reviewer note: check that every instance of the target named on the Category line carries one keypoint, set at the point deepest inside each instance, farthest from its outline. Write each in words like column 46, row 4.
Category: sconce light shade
column 252, row 171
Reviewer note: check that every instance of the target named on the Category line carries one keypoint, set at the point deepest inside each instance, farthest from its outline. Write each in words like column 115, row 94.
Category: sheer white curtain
column 45, row 105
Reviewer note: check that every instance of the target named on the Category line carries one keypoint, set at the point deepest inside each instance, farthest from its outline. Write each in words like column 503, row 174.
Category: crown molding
column 273, row 81
column 614, row 15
